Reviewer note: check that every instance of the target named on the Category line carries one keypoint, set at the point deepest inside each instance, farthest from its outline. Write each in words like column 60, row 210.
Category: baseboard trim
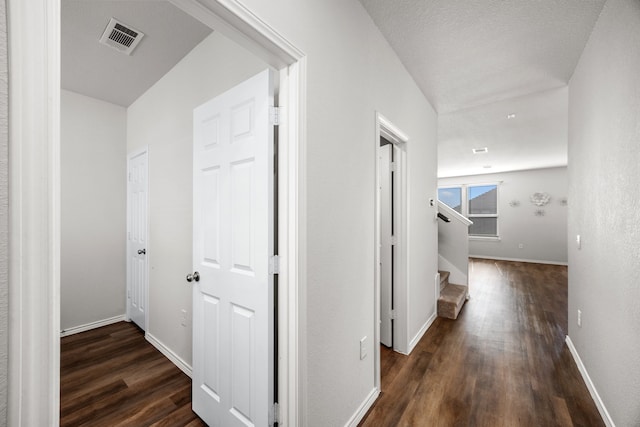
column 414, row 342
column 592, row 388
column 532, row 261
column 363, row 409
column 169, row 354
column 93, row 325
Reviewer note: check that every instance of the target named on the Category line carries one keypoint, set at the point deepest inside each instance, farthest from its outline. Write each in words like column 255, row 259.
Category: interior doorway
column 35, row 172
column 391, row 241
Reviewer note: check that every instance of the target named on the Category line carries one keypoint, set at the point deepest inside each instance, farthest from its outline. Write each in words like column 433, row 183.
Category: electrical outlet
column 363, row 348
column 183, row 317
column 579, row 318
column 520, row 245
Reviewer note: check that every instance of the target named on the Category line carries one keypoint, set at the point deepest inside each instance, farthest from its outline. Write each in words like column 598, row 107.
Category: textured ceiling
column 102, row 72
column 535, row 138
column 478, row 61
column 464, row 53
column 475, row 60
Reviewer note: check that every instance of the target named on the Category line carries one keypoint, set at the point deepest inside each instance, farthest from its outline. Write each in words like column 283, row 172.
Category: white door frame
column 386, row 129
column 34, row 203
column 131, row 156
column 34, row 212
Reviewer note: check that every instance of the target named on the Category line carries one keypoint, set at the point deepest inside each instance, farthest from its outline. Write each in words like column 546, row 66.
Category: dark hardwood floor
column 112, row 376
column 503, row 362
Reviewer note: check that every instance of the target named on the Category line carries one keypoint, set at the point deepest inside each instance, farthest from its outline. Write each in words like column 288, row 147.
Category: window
column 479, row 203
column 483, row 210
column 451, row 197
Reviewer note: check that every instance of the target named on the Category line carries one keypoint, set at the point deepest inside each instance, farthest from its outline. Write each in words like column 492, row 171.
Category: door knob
column 142, row 251
column 195, row 276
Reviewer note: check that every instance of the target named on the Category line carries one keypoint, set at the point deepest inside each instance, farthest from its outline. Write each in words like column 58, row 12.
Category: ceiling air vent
column 121, row 36
column 480, row 150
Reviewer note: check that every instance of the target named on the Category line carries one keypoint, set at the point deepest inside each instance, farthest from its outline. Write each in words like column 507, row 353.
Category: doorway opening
column 391, row 298
column 35, row 172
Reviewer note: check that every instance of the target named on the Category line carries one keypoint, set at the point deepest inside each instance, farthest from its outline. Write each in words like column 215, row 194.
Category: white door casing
column 384, row 128
column 138, row 237
column 385, row 155
column 232, row 245
column 34, row 353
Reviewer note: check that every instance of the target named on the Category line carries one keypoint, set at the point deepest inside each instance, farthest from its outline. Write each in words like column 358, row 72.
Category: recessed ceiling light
column 487, row 166
column 480, row 150
column 511, row 116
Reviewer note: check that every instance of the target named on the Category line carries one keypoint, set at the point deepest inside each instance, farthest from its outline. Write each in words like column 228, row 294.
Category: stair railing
column 444, row 217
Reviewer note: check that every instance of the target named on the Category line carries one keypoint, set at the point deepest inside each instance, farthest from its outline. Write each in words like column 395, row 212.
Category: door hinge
column 393, row 314
column 274, row 264
column 275, row 115
column 392, row 167
column 394, row 240
column 275, row 414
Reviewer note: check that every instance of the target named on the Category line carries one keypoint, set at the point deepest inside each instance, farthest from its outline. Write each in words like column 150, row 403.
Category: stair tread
column 452, row 298
column 453, row 293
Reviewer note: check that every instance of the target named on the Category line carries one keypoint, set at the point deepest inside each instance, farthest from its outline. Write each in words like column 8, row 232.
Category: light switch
column 363, row 348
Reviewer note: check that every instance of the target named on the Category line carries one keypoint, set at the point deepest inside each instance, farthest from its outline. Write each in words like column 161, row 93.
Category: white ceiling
column 535, row 138
column 102, row 72
column 475, row 60
column 478, row 60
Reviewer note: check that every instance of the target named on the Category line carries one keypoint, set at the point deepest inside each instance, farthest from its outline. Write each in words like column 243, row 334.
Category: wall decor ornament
column 514, row 203
column 540, row 199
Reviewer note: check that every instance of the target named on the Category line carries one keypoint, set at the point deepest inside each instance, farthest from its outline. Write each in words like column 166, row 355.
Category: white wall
column 352, row 72
column 604, row 208
column 544, row 238
column 93, row 210
column 162, row 118
column 4, row 213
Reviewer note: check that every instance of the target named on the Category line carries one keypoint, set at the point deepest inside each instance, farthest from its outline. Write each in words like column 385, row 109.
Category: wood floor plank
column 112, row 376
column 147, row 412
column 183, row 416
column 503, row 362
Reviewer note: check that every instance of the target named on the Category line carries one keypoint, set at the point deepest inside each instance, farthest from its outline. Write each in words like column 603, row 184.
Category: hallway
column 504, row 362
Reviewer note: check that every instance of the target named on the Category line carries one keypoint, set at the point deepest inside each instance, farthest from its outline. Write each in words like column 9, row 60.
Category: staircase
column 452, row 297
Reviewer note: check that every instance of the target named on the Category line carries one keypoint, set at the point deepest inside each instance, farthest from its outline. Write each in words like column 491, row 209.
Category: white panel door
column 386, row 244
column 232, row 244
column 137, row 239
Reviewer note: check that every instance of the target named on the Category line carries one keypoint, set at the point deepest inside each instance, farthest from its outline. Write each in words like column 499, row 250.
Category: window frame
column 464, row 206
